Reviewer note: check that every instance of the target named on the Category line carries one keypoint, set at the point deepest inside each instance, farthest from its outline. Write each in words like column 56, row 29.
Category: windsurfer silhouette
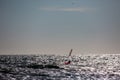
column 68, row 62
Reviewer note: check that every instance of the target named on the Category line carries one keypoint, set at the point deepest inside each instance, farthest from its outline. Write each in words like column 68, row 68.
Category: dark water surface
column 51, row 67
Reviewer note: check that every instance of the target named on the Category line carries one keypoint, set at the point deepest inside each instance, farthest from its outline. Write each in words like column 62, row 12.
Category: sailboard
column 69, row 61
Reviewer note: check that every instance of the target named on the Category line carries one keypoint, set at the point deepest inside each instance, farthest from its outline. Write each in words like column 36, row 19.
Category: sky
column 56, row 26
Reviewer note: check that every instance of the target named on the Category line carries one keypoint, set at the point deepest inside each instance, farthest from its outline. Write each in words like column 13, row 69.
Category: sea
column 52, row 67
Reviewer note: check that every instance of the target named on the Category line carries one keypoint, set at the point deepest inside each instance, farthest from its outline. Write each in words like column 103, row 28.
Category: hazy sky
column 56, row 26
